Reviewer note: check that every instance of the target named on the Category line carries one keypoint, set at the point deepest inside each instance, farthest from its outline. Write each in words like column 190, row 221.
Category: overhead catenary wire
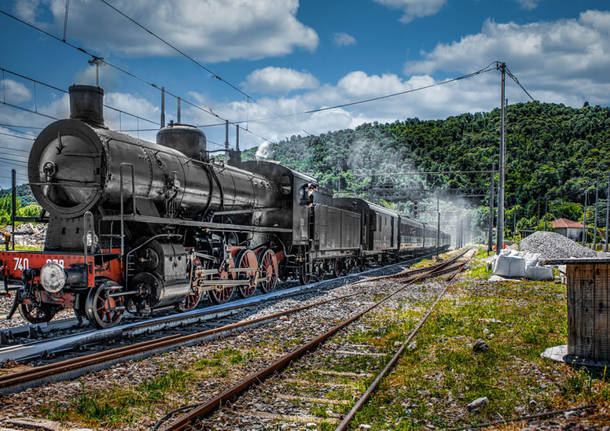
column 128, row 73
column 487, row 68
column 178, row 50
column 16, row 126
column 61, row 90
column 514, row 78
column 15, row 149
column 27, row 138
column 122, row 70
column 16, row 160
column 29, row 110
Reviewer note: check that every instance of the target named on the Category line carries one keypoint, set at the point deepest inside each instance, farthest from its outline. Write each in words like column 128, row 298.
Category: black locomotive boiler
column 136, row 226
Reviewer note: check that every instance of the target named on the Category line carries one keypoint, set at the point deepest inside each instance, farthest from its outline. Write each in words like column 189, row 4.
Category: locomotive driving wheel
column 220, row 294
column 190, row 302
column 103, row 309
column 247, row 259
column 267, row 265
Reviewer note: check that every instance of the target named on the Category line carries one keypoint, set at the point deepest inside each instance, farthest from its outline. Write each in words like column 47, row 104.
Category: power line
column 15, row 149
column 61, row 90
column 28, row 110
column 214, row 75
column 15, row 126
column 17, row 136
column 487, row 68
column 422, row 173
column 120, row 69
column 20, row 159
column 514, row 78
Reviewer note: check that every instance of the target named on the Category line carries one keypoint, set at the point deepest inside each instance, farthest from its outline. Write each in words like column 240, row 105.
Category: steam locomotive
column 135, row 226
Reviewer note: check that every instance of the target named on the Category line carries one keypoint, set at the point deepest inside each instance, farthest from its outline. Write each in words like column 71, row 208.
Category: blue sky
column 292, row 56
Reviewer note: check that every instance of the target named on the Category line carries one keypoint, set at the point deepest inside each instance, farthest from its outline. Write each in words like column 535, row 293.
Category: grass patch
column 432, row 384
column 122, row 406
column 125, row 405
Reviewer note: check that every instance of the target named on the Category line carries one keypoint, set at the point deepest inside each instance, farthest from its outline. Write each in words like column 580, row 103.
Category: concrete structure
column 569, row 228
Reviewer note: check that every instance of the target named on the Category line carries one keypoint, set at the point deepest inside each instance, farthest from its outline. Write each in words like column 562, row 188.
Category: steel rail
column 22, row 377
column 232, row 392
column 13, row 381
column 392, row 362
column 165, row 322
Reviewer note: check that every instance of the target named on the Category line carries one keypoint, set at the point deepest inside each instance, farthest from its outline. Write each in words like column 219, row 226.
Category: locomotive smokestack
column 87, row 104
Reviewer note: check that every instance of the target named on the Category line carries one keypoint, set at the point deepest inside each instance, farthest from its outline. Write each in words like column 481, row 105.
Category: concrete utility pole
column 607, row 211
column 492, row 187
column 595, row 217
column 13, row 204
column 515, row 220
column 546, row 210
column 584, row 221
column 502, row 166
column 438, row 225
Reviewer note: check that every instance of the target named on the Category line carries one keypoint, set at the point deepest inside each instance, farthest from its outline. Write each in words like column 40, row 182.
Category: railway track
column 183, row 417
column 186, row 329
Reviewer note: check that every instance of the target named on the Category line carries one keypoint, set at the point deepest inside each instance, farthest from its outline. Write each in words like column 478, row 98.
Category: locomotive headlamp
column 52, row 277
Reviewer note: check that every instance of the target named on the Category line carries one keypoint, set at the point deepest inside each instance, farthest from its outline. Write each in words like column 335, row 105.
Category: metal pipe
column 237, row 137
column 178, row 116
column 122, row 204
column 227, row 136
column 162, row 107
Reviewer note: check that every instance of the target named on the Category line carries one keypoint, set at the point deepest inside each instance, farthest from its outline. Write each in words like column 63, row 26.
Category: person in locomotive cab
column 308, row 193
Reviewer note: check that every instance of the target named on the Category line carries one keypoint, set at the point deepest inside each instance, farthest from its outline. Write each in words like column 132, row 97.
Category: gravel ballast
column 551, row 245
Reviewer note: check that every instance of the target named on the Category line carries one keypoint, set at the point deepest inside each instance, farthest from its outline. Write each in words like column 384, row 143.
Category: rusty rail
column 22, row 378
column 392, row 362
column 213, row 404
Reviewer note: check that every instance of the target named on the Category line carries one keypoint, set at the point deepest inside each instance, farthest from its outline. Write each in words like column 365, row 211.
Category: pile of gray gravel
column 551, row 245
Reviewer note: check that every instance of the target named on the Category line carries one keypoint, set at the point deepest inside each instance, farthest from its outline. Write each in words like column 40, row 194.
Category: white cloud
column 528, row 4
column 343, row 39
column 279, row 80
column 212, row 30
column 27, row 9
column 414, row 8
column 439, row 102
column 14, row 92
column 564, row 60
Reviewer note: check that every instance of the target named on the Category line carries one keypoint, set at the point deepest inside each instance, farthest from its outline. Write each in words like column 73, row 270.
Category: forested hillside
column 553, row 152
